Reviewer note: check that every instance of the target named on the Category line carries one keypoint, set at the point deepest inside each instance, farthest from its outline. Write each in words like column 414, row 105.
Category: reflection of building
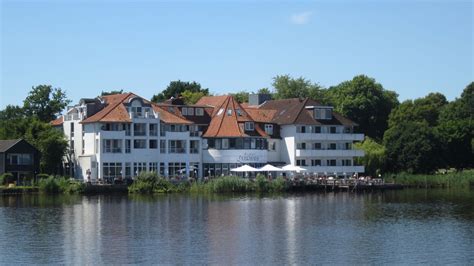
column 19, row 158
column 120, row 135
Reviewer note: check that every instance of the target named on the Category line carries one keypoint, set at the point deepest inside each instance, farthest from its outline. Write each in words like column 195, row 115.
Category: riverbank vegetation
column 45, row 184
column 150, row 183
column 454, row 179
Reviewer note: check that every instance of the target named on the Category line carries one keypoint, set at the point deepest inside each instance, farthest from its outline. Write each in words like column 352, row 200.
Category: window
column 139, row 167
column 128, row 146
column 347, row 129
column 139, row 129
column 190, row 111
column 139, row 144
column 162, row 146
column 229, row 112
column 137, row 111
column 317, row 113
column 72, row 129
column 184, row 111
column 238, row 111
column 300, row 129
column 331, row 162
column 347, row 162
column 71, row 145
column 153, row 167
column 316, row 129
column 328, row 115
column 273, row 146
column 20, row 158
column 153, row 129
column 171, row 109
column 194, row 146
column 111, row 171
column 153, row 144
column 162, row 169
column 301, row 146
column 269, row 129
column 112, row 145
column 315, row 162
column 128, row 170
column 199, row 111
column 317, row 146
column 220, row 111
column 301, row 162
column 323, row 113
column 127, row 128
column 225, row 144
column 176, row 146
column 249, row 126
column 332, row 146
column 218, row 144
column 176, row 169
column 332, row 130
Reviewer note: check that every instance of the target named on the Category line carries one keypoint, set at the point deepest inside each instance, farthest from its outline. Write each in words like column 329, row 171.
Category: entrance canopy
column 270, row 168
column 244, row 168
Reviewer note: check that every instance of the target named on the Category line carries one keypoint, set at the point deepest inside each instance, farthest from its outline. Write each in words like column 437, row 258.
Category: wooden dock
column 350, row 185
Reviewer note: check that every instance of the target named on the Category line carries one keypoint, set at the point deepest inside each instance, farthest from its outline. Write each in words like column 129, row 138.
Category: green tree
column 190, row 97
column 241, row 96
column 287, row 87
column 422, row 109
column 366, row 102
column 411, row 146
column 176, row 88
column 375, row 157
column 50, row 142
column 264, row 91
column 456, row 130
column 45, row 103
column 104, row 93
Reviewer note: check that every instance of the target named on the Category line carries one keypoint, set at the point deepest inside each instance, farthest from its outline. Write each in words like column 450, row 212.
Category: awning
column 270, row 168
column 244, row 168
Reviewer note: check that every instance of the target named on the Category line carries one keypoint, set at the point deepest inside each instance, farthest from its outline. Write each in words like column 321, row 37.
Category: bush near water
column 150, row 182
column 456, row 179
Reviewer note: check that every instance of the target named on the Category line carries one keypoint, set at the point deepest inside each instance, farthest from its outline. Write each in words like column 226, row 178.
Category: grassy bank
column 462, row 179
column 46, row 184
column 149, row 183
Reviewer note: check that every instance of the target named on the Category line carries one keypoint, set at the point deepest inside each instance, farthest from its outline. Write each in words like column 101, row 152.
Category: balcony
column 329, row 136
column 329, row 153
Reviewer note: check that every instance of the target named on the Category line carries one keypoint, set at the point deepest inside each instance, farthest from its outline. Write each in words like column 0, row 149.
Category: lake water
column 401, row 227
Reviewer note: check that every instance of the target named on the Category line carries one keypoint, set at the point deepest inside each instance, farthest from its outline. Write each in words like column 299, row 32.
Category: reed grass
column 461, row 179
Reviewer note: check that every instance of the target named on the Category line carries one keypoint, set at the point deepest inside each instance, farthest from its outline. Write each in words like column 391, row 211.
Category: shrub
column 278, row 185
column 261, row 183
column 150, row 182
column 6, row 178
column 48, row 185
column 53, row 185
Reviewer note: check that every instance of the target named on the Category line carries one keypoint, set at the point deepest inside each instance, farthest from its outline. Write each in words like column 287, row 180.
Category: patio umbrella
column 270, row 168
column 244, row 168
column 292, row 168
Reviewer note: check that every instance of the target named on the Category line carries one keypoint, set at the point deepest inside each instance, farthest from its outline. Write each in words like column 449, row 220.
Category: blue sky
column 84, row 47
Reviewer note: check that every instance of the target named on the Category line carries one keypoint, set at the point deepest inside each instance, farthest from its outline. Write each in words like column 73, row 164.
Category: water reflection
column 335, row 228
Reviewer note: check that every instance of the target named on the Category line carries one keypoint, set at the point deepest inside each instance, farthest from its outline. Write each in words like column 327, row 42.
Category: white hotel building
column 123, row 134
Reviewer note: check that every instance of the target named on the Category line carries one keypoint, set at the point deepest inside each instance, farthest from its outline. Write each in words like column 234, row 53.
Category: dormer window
column 199, row 111
column 137, row 111
column 229, row 112
column 249, row 126
column 323, row 113
column 238, row 111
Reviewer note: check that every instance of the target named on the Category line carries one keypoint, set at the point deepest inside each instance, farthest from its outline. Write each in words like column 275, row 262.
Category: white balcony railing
column 329, row 153
column 328, row 136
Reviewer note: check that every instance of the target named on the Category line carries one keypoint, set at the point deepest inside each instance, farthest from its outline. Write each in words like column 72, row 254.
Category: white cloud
column 301, row 18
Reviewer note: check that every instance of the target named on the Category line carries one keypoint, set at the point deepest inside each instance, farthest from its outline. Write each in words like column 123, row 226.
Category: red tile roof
column 114, row 111
column 228, row 119
column 57, row 122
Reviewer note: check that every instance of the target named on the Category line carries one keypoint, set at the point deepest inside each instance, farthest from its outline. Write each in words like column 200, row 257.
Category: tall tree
column 287, row 87
column 366, row 102
column 264, row 91
column 176, row 88
column 411, row 146
column 456, row 130
column 45, row 103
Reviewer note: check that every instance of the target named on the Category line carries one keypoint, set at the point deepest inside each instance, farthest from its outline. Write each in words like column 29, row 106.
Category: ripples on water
column 401, row 227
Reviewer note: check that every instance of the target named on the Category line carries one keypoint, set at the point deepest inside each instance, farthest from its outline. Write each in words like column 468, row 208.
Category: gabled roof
column 228, row 119
column 114, row 111
column 212, row 101
column 57, row 122
column 174, row 117
column 293, row 111
column 5, row 145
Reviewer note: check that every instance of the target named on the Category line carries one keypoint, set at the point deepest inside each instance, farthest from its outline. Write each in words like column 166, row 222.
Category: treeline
column 415, row 136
